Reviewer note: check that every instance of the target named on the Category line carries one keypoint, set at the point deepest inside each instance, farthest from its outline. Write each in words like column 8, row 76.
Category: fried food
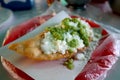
column 56, row 42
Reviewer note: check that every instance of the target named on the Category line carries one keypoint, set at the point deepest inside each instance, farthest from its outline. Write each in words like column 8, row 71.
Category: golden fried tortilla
column 31, row 49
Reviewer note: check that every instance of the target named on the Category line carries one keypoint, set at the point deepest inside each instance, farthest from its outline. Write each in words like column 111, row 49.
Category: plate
column 6, row 13
column 47, row 67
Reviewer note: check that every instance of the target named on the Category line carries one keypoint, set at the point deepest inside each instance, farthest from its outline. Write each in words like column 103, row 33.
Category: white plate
column 53, row 70
column 4, row 15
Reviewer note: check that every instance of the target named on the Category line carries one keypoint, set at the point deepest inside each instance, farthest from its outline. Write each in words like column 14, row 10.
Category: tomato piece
column 104, row 32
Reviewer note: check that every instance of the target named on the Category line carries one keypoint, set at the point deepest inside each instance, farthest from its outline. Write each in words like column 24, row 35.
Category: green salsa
column 65, row 26
column 69, row 64
column 73, row 43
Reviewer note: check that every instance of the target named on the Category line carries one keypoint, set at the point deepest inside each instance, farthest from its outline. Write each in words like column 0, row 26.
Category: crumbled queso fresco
column 70, row 34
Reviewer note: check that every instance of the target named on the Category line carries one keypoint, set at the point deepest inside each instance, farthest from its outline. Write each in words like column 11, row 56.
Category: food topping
column 69, row 64
column 69, row 35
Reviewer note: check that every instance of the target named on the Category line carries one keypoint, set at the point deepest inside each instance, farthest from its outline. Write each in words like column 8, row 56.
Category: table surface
column 98, row 12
